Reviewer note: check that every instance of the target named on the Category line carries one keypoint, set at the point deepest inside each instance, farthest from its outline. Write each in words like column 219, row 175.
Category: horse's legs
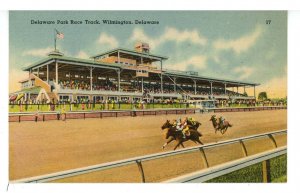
column 222, row 131
column 225, row 129
column 182, row 145
column 179, row 142
column 169, row 141
column 198, row 140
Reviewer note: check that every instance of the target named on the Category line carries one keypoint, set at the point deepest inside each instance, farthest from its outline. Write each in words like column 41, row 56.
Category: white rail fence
column 226, row 168
column 140, row 159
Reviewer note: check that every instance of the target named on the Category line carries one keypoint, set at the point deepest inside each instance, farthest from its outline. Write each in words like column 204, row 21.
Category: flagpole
column 54, row 39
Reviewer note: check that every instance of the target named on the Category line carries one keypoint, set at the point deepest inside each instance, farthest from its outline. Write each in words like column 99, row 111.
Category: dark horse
column 223, row 127
column 174, row 134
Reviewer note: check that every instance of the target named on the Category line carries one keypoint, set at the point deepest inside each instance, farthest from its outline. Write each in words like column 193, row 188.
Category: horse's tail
column 229, row 125
column 195, row 133
column 199, row 133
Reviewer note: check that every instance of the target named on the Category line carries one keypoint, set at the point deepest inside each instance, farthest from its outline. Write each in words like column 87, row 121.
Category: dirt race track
column 52, row 146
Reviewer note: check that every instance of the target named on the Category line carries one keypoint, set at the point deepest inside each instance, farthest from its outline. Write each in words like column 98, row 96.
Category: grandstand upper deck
column 124, row 72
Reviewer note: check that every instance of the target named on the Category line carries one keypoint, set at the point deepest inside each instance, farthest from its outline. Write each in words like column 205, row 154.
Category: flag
column 59, row 35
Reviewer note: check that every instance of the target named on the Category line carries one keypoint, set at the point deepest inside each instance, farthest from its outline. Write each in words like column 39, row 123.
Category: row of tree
column 262, row 96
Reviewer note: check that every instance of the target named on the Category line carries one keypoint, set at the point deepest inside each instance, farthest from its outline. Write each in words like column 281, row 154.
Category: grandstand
column 122, row 75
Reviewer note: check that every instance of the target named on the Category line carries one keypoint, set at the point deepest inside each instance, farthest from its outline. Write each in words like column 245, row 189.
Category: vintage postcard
column 147, row 96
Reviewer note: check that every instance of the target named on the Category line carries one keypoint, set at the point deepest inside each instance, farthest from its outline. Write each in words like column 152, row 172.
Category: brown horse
column 222, row 128
column 177, row 135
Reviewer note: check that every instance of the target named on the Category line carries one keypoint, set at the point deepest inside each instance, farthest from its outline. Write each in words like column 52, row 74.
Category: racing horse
column 222, row 128
column 177, row 135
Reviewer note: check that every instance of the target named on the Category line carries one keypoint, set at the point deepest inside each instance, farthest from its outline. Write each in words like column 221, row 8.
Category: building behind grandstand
column 121, row 75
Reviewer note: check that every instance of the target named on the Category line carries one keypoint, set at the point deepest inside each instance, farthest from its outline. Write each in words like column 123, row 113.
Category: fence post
column 140, row 166
column 244, row 148
column 204, row 158
column 273, row 140
column 266, row 171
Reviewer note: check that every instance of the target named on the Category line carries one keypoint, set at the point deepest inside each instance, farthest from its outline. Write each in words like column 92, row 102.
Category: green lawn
column 97, row 107
column 89, row 107
column 253, row 174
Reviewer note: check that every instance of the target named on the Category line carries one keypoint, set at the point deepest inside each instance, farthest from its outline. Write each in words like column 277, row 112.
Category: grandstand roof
column 183, row 74
column 83, row 62
column 131, row 53
column 180, row 74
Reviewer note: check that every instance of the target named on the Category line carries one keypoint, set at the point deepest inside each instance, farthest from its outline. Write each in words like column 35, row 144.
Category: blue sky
column 235, row 45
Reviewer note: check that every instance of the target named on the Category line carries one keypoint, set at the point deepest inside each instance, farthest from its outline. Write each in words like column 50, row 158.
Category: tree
column 245, row 94
column 262, row 96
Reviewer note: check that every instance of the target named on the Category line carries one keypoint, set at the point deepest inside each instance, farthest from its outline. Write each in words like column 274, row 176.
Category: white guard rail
column 226, row 168
column 140, row 159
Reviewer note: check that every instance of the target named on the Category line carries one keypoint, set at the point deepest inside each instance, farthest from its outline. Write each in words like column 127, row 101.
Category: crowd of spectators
column 85, row 85
column 148, row 88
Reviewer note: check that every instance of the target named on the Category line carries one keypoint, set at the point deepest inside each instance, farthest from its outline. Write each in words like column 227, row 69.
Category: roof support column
column 225, row 88
column 142, row 85
column 174, row 84
column 119, row 80
column 118, row 57
column 161, row 78
column 91, row 78
column 29, row 73
column 48, row 73
column 211, row 90
column 237, row 89
column 195, row 87
column 38, row 72
column 244, row 89
column 56, row 72
column 254, row 93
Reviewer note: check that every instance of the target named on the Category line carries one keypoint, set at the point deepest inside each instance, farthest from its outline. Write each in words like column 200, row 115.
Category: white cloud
column 41, row 52
column 244, row 72
column 275, row 88
column 14, row 77
column 108, row 40
column 198, row 62
column 83, row 55
column 170, row 34
column 241, row 44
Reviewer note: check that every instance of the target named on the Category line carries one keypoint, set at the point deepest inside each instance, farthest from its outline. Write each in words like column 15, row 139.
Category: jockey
column 179, row 126
column 182, row 125
column 174, row 123
column 221, row 121
column 191, row 120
